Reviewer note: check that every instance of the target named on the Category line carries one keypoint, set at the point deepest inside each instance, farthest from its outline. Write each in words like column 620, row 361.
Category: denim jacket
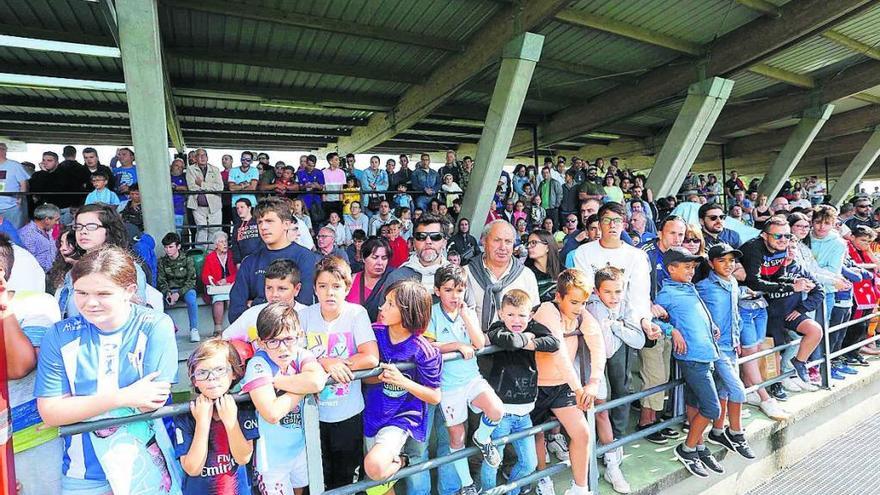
column 689, row 315
column 722, row 299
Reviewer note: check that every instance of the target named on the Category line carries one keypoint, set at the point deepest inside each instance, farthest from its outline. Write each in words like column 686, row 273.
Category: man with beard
column 712, row 219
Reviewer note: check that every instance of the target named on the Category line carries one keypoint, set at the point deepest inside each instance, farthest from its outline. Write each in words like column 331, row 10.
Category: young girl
column 450, row 189
column 114, row 359
column 537, row 213
column 561, row 388
column 340, row 337
column 350, row 193
column 281, row 363
column 215, row 440
column 397, row 404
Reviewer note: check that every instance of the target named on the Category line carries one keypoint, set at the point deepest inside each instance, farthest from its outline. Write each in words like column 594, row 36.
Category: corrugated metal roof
column 747, row 83
column 863, row 28
column 810, row 56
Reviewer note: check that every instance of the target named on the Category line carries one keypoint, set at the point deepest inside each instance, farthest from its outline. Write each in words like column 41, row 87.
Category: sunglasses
column 434, row 236
column 572, row 220
column 691, row 240
column 780, row 236
column 716, row 217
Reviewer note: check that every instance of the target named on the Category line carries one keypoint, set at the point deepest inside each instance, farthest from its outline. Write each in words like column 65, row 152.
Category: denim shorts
column 754, row 326
column 727, row 379
column 700, row 391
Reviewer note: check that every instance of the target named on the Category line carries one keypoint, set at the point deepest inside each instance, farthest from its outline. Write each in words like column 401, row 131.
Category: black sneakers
column 691, row 461
column 709, row 460
column 656, row 437
column 732, row 442
column 777, row 392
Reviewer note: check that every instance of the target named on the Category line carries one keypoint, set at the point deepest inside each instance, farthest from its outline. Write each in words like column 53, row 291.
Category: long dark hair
column 112, row 222
column 60, row 266
column 553, row 265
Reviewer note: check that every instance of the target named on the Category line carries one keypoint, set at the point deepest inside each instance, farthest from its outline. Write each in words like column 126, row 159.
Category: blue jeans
column 727, row 379
column 526, row 457
column 754, row 326
column 447, row 478
column 192, row 307
column 838, row 316
column 700, row 391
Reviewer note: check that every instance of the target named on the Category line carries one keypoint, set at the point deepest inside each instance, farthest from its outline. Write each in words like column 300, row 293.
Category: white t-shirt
column 245, row 326
column 12, row 174
column 339, row 338
column 591, row 257
column 27, row 274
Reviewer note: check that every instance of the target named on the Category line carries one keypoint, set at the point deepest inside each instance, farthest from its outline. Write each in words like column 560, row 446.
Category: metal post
column 312, row 428
column 827, row 180
column 723, row 178
column 593, row 472
column 825, row 367
column 535, row 149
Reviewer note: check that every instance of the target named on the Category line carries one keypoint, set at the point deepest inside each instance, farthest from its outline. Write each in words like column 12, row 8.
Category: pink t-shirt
column 354, row 295
column 334, row 180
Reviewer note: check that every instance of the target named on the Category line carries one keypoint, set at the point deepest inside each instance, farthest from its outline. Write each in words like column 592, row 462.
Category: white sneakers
column 613, row 474
column 545, row 487
column 753, row 399
column 806, row 386
column 557, row 445
column 194, row 335
column 773, row 410
column 795, row 384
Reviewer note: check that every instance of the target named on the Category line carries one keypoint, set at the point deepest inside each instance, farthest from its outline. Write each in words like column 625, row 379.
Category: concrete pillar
column 811, row 123
column 704, row 102
column 141, row 48
column 856, row 169
column 519, row 59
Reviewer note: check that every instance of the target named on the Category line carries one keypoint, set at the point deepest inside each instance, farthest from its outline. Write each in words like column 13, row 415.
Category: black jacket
column 773, row 275
column 514, row 375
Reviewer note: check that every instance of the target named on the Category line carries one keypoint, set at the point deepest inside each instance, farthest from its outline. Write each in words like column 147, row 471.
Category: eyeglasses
column 247, row 159
column 273, row 344
column 435, row 236
column 716, row 217
column 612, row 221
column 780, row 236
column 534, row 243
column 203, row 374
column 325, row 236
column 691, row 240
column 572, row 220
column 91, row 227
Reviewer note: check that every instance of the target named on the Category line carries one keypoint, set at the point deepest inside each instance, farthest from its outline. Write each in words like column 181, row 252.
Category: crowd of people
column 586, row 286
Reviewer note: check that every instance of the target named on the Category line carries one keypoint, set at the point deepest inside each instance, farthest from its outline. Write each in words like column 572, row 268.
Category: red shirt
column 399, row 252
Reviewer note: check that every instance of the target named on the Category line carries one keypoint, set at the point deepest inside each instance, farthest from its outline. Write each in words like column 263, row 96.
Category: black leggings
column 342, row 451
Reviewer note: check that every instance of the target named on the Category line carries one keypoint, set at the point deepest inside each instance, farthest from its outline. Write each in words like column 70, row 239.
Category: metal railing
column 313, row 446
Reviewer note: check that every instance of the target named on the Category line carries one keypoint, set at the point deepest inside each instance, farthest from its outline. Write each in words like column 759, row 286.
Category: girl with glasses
column 543, row 261
column 216, row 439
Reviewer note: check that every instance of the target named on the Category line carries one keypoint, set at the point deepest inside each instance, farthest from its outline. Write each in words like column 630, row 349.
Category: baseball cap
column 723, row 249
column 679, row 255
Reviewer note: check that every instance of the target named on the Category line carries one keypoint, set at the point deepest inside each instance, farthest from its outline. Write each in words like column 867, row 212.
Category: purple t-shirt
column 387, row 405
column 179, row 199
column 304, row 177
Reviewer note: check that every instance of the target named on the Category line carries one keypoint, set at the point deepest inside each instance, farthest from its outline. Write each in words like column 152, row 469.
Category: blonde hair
column 516, row 298
column 573, row 279
column 694, row 231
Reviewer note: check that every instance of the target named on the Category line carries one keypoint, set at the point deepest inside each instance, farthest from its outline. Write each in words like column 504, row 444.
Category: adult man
column 637, row 225
column 569, row 202
column 770, row 270
column 375, row 179
column 206, row 208
column 311, row 179
column 574, row 239
column 655, row 360
column 426, row 181
column 712, row 220
column 638, row 205
column 467, row 166
column 732, row 184
column 325, row 245
column 125, row 174
column 451, row 167
column 404, row 175
column 90, row 158
column 13, row 178
column 862, row 215
column 273, row 220
column 390, row 165
column 590, row 188
column 53, row 179
column 611, row 250
column 550, row 191
column 334, row 180
column 36, row 236
column 779, row 206
column 245, row 239
column 382, row 218
column 244, row 178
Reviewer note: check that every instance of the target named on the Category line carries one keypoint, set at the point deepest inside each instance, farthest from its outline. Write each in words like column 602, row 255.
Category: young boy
column 399, row 246
column 406, row 225
column 133, row 212
column 720, row 292
column 514, row 379
column 693, row 336
column 101, row 194
column 281, row 364
column 282, row 284
column 177, row 277
column 402, row 199
column 455, row 328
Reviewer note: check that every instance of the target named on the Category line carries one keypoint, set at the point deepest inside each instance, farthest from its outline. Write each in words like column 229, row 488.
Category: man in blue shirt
column 426, row 181
column 712, row 219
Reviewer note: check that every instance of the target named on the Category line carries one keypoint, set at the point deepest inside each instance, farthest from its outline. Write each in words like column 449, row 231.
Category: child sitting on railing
column 514, row 379
column 281, row 363
column 396, row 401
column 215, row 440
column 456, row 328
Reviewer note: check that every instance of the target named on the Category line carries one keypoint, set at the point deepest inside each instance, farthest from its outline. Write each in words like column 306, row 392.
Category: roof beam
column 48, row 82
column 854, row 80
column 733, row 51
column 483, row 49
column 57, row 35
column 8, row 41
column 852, row 44
column 608, row 25
column 762, row 6
column 291, row 97
column 782, row 75
column 261, row 13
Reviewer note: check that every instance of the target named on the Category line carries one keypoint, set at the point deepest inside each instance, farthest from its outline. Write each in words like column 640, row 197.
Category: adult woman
column 368, row 286
column 613, row 192
column 761, row 212
column 178, row 183
column 218, row 275
column 543, row 261
column 522, row 234
column 357, row 220
column 98, row 225
column 696, row 244
column 713, row 188
column 549, row 225
column 126, row 359
column 301, row 213
column 520, row 177
column 68, row 253
column 463, row 242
